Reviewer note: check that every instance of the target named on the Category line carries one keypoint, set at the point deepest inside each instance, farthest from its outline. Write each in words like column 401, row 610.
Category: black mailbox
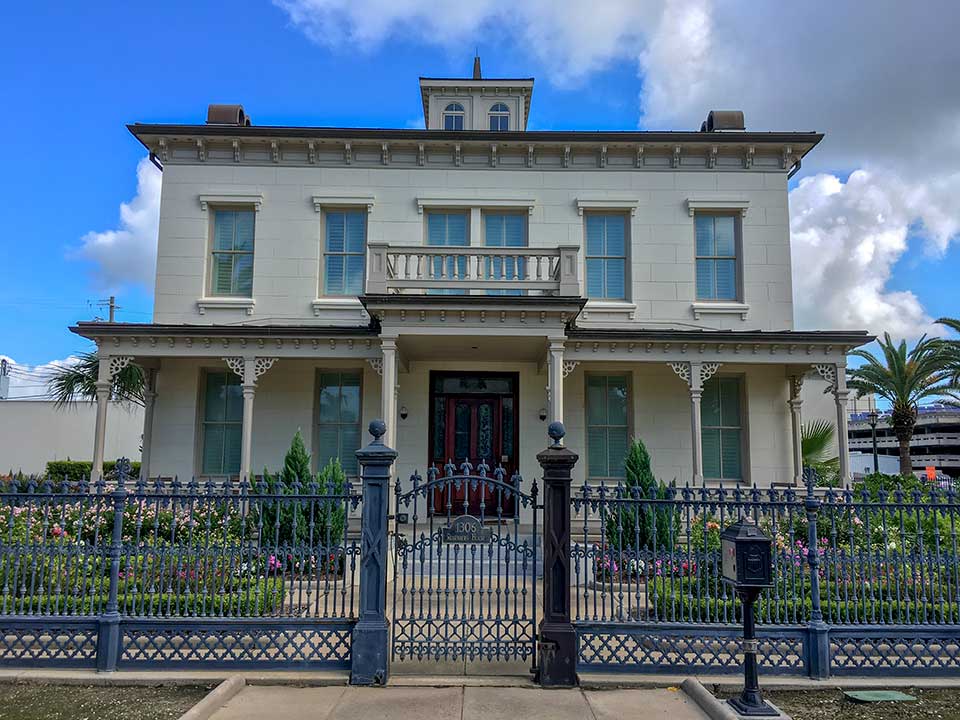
column 746, row 556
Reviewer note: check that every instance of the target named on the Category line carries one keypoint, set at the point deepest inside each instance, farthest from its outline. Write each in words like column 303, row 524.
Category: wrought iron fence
column 213, row 572
column 871, row 557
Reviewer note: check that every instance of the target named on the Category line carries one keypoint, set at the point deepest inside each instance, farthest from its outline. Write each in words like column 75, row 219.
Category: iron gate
column 465, row 586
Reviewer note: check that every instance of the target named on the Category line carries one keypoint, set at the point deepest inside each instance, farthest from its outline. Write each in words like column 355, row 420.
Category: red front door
column 473, row 431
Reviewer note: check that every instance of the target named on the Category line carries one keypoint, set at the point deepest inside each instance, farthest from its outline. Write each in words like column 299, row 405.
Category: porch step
column 459, row 561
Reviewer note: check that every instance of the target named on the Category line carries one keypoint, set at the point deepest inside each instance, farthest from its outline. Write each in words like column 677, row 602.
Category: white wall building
column 36, row 432
column 470, row 283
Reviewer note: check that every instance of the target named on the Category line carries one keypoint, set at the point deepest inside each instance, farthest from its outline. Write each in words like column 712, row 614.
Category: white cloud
column 127, row 255
column 29, row 382
column 877, row 79
column 846, row 239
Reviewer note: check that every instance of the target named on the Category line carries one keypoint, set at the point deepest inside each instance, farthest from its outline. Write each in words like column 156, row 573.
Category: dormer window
column 499, row 117
column 453, row 117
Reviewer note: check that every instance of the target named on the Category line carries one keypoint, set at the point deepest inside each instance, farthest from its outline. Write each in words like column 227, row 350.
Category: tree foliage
column 904, row 378
column 816, row 445
column 69, row 384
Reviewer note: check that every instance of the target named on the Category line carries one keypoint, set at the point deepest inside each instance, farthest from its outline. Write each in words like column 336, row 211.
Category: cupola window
column 499, row 117
column 453, row 117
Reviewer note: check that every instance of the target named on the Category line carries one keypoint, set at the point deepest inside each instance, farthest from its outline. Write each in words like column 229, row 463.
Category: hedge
column 77, row 470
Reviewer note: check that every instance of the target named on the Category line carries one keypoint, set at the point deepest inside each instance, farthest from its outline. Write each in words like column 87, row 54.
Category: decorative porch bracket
column 557, row 637
column 370, row 641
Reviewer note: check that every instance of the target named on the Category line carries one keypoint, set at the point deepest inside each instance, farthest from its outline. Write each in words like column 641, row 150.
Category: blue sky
column 75, row 74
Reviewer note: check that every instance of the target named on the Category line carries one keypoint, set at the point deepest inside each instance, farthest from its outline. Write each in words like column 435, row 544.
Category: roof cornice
column 554, row 137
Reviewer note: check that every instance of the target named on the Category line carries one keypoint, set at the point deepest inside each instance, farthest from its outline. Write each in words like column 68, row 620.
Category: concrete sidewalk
column 456, row 703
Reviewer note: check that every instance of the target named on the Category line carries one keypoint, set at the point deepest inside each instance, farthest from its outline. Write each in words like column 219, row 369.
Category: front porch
column 398, row 366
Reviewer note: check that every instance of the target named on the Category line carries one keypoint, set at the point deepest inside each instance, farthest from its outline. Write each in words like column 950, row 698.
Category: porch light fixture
column 403, row 412
column 543, row 414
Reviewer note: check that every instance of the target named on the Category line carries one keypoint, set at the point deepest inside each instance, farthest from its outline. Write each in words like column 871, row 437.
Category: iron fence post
column 818, row 638
column 108, row 633
column 369, row 646
column 557, row 637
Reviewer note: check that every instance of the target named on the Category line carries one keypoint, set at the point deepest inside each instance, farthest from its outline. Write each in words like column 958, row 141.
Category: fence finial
column 556, row 432
column 378, row 428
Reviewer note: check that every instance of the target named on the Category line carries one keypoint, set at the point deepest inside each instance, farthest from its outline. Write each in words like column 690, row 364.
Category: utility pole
column 111, row 304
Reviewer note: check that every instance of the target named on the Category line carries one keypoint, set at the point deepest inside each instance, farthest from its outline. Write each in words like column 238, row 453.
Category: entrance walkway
column 455, row 703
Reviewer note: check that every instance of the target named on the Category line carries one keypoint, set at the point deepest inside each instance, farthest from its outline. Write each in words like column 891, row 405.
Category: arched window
column 453, row 117
column 499, row 117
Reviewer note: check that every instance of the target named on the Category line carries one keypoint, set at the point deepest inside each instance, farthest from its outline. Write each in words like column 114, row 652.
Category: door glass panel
column 485, row 433
column 461, row 432
column 439, row 428
column 507, row 429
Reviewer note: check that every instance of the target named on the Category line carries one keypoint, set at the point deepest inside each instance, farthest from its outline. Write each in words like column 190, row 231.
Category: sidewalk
column 456, row 703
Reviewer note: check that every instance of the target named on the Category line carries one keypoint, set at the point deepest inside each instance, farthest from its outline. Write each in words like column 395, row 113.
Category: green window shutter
column 338, row 421
column 222, row 424
column 607, row 415
column 721, row 420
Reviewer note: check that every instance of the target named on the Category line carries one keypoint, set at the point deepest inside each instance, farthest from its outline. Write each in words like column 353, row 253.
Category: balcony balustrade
column 511, row 270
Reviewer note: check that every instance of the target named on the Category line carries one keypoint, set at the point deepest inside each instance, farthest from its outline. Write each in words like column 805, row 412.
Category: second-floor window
column 606, row 256
column 448, row 229
column 716, row 246
column 505, row 230
column 453, row 117
column 344, row 252
column 499, row 117
column 231, row 259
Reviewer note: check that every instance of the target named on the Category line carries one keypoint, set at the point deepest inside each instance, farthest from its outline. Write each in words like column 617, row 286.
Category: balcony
column 417, row 269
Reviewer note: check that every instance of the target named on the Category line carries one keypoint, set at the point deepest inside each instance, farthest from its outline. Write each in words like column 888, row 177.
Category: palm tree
column 69, row 384
column 904, row 379
column 816, row 437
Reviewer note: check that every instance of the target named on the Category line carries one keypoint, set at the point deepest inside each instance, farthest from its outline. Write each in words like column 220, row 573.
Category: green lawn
column 78, row 702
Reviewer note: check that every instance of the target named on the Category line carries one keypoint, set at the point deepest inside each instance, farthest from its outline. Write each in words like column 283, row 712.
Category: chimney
column 227, row 115
column 476, row 68
column 718, row 120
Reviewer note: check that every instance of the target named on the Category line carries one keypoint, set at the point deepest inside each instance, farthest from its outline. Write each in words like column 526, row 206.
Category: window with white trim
column 448, row 229
column 453, row 115
column 231, row 253
column 505, row 230
column 499, row 117
column 716, row 256
column 606, row 255
column 721, row 428
column 344, row 252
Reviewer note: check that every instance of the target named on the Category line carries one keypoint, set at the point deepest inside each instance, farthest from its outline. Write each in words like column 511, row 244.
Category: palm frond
column 816, row 438
column 74, row 383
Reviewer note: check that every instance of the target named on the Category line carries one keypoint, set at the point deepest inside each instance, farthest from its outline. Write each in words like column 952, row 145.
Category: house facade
column 470, row 283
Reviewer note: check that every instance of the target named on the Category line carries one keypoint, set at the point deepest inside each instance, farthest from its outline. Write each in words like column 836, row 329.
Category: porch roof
column 851, row 338
column 94, row 330
column 789, row 347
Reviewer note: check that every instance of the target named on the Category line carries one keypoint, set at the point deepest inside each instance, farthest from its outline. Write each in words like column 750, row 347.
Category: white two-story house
column 471, row 282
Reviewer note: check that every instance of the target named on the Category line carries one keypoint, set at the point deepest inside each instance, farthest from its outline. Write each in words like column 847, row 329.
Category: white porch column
column 149, row 396
column 796, row 425
column 695, row 374
column 249, row 369
column 107, row 368
column 557, row 371
column 836, row 376
column 389, row 390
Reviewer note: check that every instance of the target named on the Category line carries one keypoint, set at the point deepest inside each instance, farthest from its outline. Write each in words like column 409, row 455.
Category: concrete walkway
column 455, row 703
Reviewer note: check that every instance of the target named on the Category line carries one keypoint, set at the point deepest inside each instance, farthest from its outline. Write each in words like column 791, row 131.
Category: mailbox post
column 746, row 559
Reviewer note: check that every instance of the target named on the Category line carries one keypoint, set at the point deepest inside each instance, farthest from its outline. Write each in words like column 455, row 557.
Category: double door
column 473, row 429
